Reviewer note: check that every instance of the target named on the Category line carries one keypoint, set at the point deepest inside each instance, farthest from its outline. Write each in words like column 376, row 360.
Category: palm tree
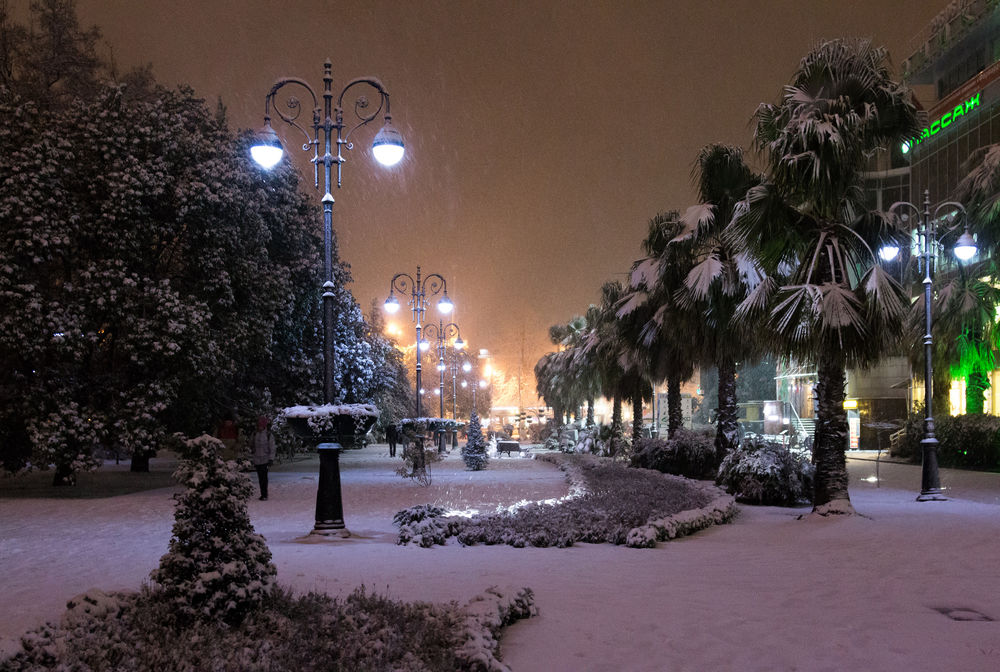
column 824, row 297
column 721, row 278
column 665, row 331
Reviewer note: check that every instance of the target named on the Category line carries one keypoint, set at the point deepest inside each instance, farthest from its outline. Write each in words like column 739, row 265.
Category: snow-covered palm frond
column 630, row 303
column 701, row 277
column 644, row 273
column 697, row 220
column 840, row 309
column 884, row 295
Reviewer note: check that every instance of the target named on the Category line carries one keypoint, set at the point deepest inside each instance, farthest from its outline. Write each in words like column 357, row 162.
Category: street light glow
column 965, row 248
column 388, row 144
column 267, row 151
column 392, row 304
column 445, row 305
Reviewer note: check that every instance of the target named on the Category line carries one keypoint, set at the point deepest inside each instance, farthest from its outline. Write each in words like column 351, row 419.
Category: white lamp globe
column 388, row 144
column 392, row 304
column 965, row 247
column 445, row 305
column 267, row 151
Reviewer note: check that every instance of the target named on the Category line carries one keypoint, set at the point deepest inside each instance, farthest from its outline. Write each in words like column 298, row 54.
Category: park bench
column 508, row 447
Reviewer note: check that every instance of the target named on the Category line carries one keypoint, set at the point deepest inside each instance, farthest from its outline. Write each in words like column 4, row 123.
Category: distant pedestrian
column 392, row 436
column 262, row 452
column 229, row 433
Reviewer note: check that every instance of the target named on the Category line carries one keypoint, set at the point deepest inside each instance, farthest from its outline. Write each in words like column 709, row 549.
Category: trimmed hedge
column 964, row 441
column 689, row 453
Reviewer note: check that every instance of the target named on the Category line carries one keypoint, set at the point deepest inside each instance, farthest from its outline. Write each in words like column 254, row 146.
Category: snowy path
column 768, row 592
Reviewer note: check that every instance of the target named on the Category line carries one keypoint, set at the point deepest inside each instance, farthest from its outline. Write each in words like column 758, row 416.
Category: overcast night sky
column 541, row 136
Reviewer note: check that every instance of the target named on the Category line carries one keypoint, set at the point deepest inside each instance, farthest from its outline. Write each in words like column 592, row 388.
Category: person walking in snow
column 392, row 436
column 262, row 453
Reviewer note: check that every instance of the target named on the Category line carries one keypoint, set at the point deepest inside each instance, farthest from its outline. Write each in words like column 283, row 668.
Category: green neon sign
column 943, row 122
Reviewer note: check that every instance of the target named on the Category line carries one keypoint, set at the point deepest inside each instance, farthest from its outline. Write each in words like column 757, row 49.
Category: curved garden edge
column 602, row 515
column 721, row 509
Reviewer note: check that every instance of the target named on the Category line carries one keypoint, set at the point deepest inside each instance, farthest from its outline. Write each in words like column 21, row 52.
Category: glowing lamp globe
column 445, row 305
column 267, row 151
column 965, row 247
column 888, row 252
column 388, row 145
column 392, row 304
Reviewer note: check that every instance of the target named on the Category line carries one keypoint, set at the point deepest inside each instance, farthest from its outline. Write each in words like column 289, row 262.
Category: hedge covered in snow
column 130, row 632
column 608, row 503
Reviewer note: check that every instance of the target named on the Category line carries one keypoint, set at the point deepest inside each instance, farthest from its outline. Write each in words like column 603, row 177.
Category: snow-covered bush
column 688, row 453
column 364, row 631
column 217, row 568
column 763, row 472
column 474, row 451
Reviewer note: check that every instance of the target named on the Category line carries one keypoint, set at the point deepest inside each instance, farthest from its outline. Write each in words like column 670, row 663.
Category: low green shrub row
column 964, row 441
column 607, row 504
column 688, row 453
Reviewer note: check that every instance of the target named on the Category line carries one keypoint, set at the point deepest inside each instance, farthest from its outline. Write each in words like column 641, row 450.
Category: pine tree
column 218, row 567
column 474, row 451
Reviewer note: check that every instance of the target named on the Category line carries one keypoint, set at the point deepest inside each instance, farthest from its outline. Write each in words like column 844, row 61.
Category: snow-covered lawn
column 767, row 592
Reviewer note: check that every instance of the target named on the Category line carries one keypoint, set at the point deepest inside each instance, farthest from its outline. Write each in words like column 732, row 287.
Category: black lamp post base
column 331, row 529
column 329, row 508
column 932, row 496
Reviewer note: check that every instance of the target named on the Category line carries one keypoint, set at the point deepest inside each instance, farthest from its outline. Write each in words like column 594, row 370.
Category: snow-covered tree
column 218, row 567
column 474, row 451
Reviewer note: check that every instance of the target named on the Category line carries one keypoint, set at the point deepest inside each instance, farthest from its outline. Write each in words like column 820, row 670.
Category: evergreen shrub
column 964, row 441
column 218, row 567
column 968, row 441
column 689, row 453
column 763, row 472
column 474, row 451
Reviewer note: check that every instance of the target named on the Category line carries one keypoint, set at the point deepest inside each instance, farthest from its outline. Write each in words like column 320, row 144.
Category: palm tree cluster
column 781, row 261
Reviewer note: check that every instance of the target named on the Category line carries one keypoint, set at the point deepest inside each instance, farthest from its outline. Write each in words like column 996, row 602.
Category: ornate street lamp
column 442, row 332
column 466, row 366
column 328, row 130
column 929, row 242
column 419, row 290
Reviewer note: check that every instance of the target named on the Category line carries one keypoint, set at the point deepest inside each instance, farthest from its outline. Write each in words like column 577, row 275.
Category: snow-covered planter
column 346, row 424
column 719, row 510
column 486, row 616
column 763, row 472
column 608, row 502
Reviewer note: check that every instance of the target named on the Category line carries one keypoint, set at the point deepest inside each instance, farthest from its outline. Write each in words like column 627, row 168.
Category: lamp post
column 466, row 367
column 419, row 290
column 328, row 129
column 928, row 244
column 442, row 332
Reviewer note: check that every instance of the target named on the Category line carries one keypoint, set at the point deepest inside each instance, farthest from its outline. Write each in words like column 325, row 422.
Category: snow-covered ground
column 768, row 592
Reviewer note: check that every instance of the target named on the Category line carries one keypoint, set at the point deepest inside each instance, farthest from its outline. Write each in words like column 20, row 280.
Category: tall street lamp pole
column 442, row 332
column 466, row 367
column 965, row 249
column 328, row 130
column 419, row 290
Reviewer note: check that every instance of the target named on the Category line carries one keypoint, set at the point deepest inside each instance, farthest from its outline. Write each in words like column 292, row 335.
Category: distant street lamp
column 442, row 332
column 267, row 152
column 419, row 290
column 928, row 244
column 466, row 367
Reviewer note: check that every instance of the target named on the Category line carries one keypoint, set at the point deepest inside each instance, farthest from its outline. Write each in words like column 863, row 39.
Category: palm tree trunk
column 617, row 433
column 637, row 413
column 941, row 380
column 727, row 429
column 977, row 383
column 830, row 495
column 675, row 417
column 590, row 413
